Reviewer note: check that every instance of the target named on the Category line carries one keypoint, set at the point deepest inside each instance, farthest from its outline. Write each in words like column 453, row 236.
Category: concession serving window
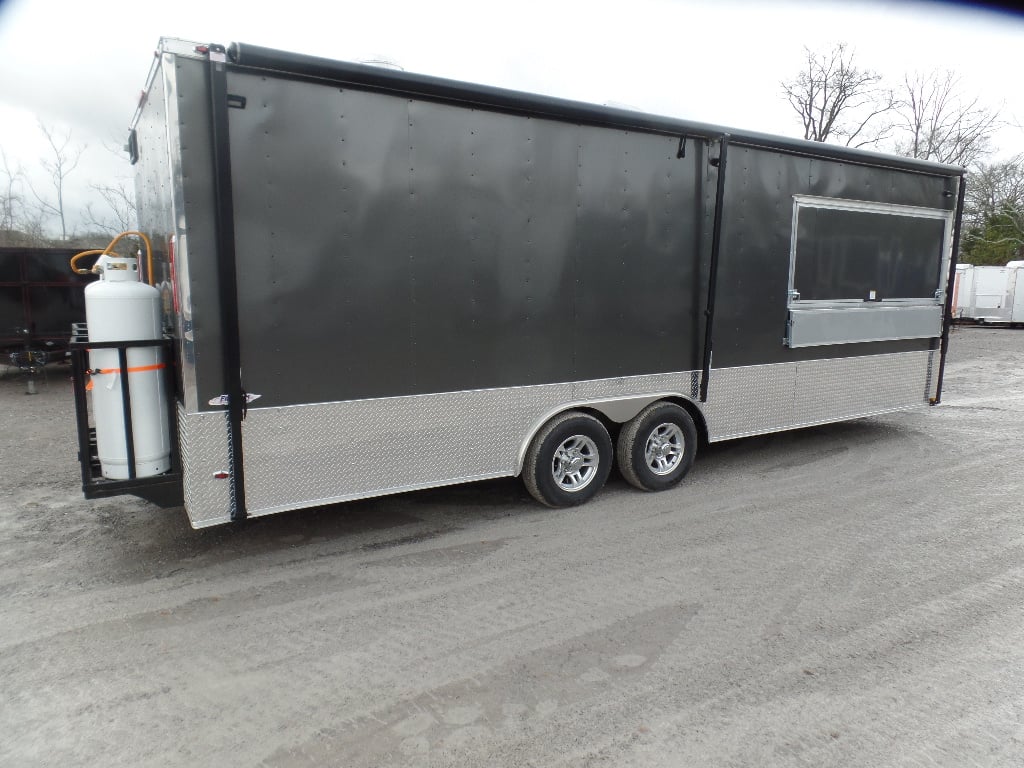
column 862, row 271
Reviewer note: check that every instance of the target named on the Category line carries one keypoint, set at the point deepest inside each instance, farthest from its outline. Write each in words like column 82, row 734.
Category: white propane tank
column 118, row 307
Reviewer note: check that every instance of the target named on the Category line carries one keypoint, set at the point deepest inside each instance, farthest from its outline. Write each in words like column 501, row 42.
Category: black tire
column 668, row 430
column 548, row 477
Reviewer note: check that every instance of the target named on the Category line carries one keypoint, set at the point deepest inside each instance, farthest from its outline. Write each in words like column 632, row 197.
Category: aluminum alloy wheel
column 574, row 465
column 665, row 448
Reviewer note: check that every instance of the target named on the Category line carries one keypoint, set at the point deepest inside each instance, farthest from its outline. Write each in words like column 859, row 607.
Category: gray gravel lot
column 848, row 595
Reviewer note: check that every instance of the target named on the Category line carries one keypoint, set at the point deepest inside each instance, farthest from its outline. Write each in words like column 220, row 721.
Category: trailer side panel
column 763, row 188
column 391, row 247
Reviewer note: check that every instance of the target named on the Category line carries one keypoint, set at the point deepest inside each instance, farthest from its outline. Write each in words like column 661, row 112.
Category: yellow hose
column 108, row 251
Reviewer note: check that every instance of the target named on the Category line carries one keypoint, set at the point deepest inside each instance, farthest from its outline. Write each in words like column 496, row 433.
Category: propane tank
column 118, row 307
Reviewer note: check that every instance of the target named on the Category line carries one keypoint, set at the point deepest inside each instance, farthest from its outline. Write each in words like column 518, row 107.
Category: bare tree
column 991, row 186
column 837, row 100
column 10, row 197
column 59, row 166
column 21, row 225
column 119, row 213
column 994, row 212
column 936, row 122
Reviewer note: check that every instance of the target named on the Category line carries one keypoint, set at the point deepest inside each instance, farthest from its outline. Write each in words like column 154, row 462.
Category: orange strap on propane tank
column 135, row 369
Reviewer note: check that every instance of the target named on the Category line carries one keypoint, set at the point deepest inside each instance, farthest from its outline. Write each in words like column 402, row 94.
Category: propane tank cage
column 164, row 490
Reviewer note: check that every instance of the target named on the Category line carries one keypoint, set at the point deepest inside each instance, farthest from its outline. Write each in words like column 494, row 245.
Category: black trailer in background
column 381, row 281
column 40, row 300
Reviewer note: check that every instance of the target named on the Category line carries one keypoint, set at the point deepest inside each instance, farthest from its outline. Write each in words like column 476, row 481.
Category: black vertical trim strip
column 947, row 320
column 227, row 277
column 716, row 241
column 167, row 357
column 126, row 409
column 81, row 415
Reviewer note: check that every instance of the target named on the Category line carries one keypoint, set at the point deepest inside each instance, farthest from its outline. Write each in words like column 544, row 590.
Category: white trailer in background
column 963, row 292
column 990, row 303
column 1016, row 288
column 989, row 294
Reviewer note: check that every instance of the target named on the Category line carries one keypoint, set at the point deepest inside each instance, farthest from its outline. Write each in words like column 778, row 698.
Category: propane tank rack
column 164, row 489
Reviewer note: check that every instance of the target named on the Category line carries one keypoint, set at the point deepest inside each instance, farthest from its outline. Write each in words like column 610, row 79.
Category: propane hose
column 108, row 252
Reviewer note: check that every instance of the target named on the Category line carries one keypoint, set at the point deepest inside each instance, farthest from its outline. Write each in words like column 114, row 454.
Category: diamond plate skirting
column 306, row 455
column 769, row 398
column 204, row 450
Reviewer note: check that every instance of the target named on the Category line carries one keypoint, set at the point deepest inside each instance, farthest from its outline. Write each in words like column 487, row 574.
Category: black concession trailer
column 380, row 282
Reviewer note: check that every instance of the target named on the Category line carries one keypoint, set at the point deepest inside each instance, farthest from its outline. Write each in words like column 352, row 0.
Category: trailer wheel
column 657, row 447
column 568, row 461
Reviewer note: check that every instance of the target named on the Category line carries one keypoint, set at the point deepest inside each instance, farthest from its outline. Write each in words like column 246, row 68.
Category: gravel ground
column 848, row 595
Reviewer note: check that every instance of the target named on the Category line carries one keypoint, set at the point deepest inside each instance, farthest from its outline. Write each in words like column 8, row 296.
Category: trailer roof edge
column 318, row 68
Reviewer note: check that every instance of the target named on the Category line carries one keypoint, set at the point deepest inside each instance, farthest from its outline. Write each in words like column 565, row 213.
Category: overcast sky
column 83, row 64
